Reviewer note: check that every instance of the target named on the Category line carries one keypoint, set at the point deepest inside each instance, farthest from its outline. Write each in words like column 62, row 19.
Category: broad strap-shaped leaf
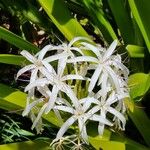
column 141, row 121
column 62, row 18
column 29, row 145
column 12, row 59
column 123, row 19
column 139, row 84
column 100, row 21
column 15, row 100
column 135, row 51
column 141, row 11
column 16, row 40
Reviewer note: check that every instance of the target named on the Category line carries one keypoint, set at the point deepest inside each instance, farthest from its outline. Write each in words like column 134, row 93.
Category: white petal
column 93, row 48
column 28, row 56
column 39, row 82
column 94, row 78
column 76, row 49
column 101, row 120
column 30, row 106
column 61, row 66
column 52, row 99
column 77, row 39
column 117, row 114
column 24, row 69
column 43, row 51
column 65, row 109
column 113, row 77
column 110, row 50
column 72, row 77
column 39, row 116
column 82, row 129
column 33, row 75
column 83, row 58
column 55, row 57
column 65, row 127
column 71, row 95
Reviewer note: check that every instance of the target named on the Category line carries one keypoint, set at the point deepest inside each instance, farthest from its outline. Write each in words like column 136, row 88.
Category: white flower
column 64, row 51
column 58, row 82
column 103, row 65
column 103, row 106
column 81, row 114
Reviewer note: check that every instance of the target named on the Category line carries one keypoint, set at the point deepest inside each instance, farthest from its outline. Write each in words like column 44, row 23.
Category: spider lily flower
column 81, row 114
column 104, row 63
column 64, row 51
column 103, row 105
column 58, row 81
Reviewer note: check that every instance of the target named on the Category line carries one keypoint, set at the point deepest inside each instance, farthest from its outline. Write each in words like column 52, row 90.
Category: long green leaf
column 141, row 11
column 29, row 145
column 62, row 18
column 142, row 123
column 122, row 16
column 15, row 100
column 139, row 84
column 16, row 40
column 135, row 51
column 100, row 21
column 12, row 59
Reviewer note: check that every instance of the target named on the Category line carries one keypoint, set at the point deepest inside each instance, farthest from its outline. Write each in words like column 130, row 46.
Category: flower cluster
column 85, row 87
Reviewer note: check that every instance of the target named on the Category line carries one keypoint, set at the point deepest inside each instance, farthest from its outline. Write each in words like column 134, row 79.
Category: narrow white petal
column 24, row 69
column 52, row 99
column 72, row 77
column 33, row 75
column 76, row 49
column 28, row 56
column 117, row 114
column 110, row 50
column 77, row 39
column 101, row 120
column 71, row 95
column 65, row 109
column 61, row 66
column 38, row 82
column 30, row 106
column 55, row 57
column 83, row 58
column 39, row 116
column 65, row 127
column 43, row 51
column 82, row 129
column 94, row 78
column 113, row 77
column 93, row 48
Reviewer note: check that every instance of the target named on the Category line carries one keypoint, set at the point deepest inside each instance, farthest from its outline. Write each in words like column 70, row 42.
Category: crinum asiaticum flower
column 64, row 51
column 80, row 114
column 57, row 91
column 103, row 106
column 104, row 64
column 58, row 82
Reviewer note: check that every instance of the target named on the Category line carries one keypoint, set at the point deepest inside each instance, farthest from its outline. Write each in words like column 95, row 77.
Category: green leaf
column 15, row 100
column 142, row 122
column 100, row 21
column 139, row 84
column 141, row 11
column 135, row 51
column 129, row 144
column 99, row 143
column 29, row 145
column 12, row 59
column 122, row 15
column 16, row 40
column 62, row 18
